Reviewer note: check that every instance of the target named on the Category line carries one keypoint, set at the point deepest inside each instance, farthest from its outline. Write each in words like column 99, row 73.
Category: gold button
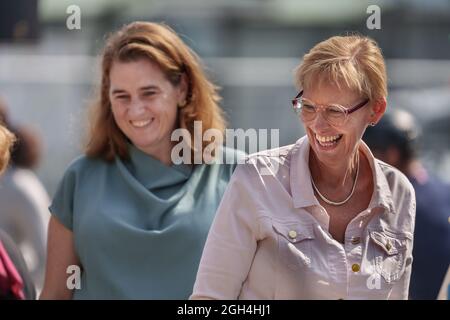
column 355, row 267
column 356, row 240
column 388, row 246
column 292, row 234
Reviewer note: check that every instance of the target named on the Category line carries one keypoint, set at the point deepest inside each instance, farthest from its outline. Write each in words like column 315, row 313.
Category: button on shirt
column 270, row 238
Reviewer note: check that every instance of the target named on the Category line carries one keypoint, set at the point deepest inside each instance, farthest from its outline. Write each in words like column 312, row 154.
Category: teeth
column 141, row 123
column 325, row 139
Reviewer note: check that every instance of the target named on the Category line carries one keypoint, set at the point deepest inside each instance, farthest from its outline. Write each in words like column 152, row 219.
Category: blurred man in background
column 395, row 140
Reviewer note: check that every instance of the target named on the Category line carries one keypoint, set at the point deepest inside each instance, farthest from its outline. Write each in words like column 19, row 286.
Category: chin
column 146, row 144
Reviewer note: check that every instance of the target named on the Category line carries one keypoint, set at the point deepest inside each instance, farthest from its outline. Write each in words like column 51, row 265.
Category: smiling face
column 144, row 104
column 335, row 144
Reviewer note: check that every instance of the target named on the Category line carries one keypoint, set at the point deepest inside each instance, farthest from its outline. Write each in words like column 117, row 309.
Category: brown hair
column 26, row 152
column 354, row 60
column 161, row 45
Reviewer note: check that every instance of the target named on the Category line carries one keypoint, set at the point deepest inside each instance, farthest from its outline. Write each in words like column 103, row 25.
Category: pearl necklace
column 333, row 203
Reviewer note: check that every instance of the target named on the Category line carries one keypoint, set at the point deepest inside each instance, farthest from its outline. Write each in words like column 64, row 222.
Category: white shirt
column 270, row 237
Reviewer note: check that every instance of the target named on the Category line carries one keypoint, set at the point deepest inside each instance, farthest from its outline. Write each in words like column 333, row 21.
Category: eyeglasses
column 334, row 114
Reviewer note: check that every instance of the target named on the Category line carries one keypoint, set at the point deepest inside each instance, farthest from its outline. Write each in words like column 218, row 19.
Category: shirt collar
column 300, row 178
column 382, row 196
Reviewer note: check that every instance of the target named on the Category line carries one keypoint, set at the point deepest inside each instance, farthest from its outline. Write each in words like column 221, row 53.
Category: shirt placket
column 354, row 252
column 337, row 257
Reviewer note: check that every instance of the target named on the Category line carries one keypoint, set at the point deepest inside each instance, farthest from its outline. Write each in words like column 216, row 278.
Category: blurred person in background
column 24, row 201
column 396, row 140
column 322, row 218
column 15, row 281
column 130, row 218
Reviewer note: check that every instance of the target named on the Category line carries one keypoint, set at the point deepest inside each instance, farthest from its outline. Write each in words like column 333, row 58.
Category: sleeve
column 232, row 240
column 401, row 288
column 62, row 203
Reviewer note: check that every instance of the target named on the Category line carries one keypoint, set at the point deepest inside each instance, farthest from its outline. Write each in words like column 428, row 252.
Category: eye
column 308, row 107
column 122, row 97
column 148, row 93
column 335, row 111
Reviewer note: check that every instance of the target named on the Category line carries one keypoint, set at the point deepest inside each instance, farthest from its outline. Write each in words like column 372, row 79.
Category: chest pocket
column 388, row 253
column 294, row 243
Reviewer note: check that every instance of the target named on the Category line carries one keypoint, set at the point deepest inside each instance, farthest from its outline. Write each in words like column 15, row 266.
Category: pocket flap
column 390, row 244
column 294, row 232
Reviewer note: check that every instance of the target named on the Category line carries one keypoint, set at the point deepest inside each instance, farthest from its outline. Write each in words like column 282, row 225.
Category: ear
column 378, row 109
column 182, row 89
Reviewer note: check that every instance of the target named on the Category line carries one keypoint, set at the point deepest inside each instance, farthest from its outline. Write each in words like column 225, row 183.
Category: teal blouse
column 139, row 226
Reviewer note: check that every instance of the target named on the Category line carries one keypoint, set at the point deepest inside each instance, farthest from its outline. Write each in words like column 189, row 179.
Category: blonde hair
column 160, row 44
column 355, row 61
column 6, row 141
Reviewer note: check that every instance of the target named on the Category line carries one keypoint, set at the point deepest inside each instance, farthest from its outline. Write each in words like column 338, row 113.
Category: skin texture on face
column 336, row 158
column 144, row 104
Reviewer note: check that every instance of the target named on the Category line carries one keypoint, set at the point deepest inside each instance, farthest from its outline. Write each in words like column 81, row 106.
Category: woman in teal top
column 132, row 220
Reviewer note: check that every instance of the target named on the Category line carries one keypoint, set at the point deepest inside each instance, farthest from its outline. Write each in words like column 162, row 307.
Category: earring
column 183, row 104
column 372, row 124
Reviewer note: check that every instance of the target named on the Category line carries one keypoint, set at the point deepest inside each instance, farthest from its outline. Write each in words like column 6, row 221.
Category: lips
column 141, row 123
column 328, row 141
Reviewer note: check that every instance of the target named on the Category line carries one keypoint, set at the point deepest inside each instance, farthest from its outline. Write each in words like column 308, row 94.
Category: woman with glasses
column 322, row 218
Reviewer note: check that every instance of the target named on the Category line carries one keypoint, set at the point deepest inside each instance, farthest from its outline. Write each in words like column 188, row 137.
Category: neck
column 334, row 175
column 161, row 152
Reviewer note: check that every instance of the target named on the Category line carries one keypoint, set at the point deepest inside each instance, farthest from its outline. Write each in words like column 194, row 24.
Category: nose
column 136, row 108
column 319, row 123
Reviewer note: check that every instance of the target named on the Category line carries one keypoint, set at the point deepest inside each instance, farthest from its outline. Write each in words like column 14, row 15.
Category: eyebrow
column 328, row 104
column 117, row 91
column 149, row 87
